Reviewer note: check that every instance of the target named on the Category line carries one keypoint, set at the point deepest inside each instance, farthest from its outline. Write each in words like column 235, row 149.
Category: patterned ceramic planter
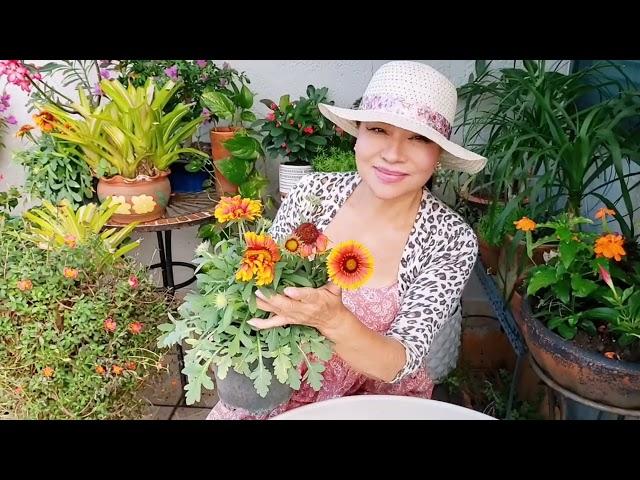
column 140, row 199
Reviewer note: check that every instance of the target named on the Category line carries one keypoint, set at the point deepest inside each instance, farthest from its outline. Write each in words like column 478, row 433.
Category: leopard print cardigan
column 436, row 262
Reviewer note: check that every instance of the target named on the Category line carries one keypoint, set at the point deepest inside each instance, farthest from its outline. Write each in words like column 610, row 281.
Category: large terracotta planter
column 141, row 199
column 218, row 152
column 588, row 374
column 489, row 255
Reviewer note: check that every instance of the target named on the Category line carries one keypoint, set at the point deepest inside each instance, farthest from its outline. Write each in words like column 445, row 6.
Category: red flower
column 271, row 116
column 273, row 106
column 130, row 365
column 110, row 325
column 135, row 327
column 308, row 130
column 291, row 122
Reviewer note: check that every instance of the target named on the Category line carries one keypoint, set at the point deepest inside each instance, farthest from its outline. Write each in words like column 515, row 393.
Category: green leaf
column 541, row 278
column 294, row 379
column 568, row 252
column 245, row 97
column 314, row 375
column 253, row 186
column 318, row 140
column 562, row 290
column 219, row 104
column 282, row 364
column 567, row 331
column 299, row 280
column 581, row 286
column 243, row 147
column 601, row 313
column 234, row 169
column 262, row 380
column 248, row 116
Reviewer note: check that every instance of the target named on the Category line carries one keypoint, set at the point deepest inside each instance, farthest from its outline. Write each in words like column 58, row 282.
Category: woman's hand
column 320, row 308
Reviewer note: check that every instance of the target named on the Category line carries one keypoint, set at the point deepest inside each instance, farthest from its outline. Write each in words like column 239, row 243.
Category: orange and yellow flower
column 135, row 327
column 71, row 273
column 311, row 240
column 259, row 259
column 24, row 130
column 525, row 224
column 70, row 241
column 237, row 208
column 603, row 212
column 48, row 372
column 117, row 369
column 100, row 370
column 610, row 246
column 25, row 285
column 292, row 244
column 110, row 325
column 350, row 265
column 46, row 121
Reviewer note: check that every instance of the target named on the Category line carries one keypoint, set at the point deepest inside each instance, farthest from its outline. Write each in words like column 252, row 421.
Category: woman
column 385, row 332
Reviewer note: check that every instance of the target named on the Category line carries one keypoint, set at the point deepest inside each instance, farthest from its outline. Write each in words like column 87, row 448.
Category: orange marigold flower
column 610, row 246
column 237, row 208
column 46, row 121
column 525, row 224
column 603, row 212
column 100, row 370
column 110, row 325
column 25, row 285
column 135, row 327
column 350, row 265
column 259, row 259
column 131, row 365
column 48, row 372
column 24, row 130
column 71, row 273
column 117, row 370
column 70, row 241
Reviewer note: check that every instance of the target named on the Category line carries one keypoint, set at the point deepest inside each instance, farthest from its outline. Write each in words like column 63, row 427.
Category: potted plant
column 55, row 169
column 255, row 369
column 334, row 159
column 588, row 292
column 297, row 131
column 129, row 144
column 76, row 317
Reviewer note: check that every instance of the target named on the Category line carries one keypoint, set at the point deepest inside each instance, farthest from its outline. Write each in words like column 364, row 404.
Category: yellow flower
column 292, row 244
column 525, row 224
column 350, row 265
column 237, row 208
column 25, row 285
column 124, row 208
column 259, row 260
column 610, row 246
column 603, row 212
column 143, row 203
column 48, row 372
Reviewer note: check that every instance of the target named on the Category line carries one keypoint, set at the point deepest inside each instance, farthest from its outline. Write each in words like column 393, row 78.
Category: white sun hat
column 416, row 97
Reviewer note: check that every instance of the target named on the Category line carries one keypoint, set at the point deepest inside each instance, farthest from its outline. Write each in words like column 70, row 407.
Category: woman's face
column 393, row 161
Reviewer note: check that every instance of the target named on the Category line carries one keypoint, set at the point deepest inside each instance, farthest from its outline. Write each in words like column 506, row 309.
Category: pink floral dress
column 376, row 308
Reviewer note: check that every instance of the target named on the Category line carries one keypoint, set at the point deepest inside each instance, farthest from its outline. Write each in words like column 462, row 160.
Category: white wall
column 346, row 80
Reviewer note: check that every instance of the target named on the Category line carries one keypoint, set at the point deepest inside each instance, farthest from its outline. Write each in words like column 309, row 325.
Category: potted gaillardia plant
column 129, row 144
column 257, row 369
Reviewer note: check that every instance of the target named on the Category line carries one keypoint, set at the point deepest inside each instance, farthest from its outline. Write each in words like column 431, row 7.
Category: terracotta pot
column 489, row 255
column 218, row 152
column 516, row 307
column 588, row 374
column 142, row 199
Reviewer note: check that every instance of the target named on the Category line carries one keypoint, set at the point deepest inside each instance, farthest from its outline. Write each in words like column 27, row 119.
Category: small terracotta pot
column 142, row 199
column 489, row 255
column 218, row 152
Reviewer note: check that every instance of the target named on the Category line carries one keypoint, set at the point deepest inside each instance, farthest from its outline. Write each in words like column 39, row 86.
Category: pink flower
column 104, row 73
column 110, row 325
column 606, row 277
column 201, row 63
column 97, row 90
column 172, row 72
column 271, row 116
column 1, row 177
column 134, row 282
column 11, row 120
column 273, row 106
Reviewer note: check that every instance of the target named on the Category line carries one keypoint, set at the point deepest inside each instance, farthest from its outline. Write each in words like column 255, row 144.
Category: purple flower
column 3, row 107
column 201, row 63
column 104, row 73
column 97, row 91
column 172, row 72
column 4, row 99
column 11, row 120
column 205, row 113
column 222, row 82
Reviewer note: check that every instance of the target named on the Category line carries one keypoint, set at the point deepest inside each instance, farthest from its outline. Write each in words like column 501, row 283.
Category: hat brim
column 454, row 156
